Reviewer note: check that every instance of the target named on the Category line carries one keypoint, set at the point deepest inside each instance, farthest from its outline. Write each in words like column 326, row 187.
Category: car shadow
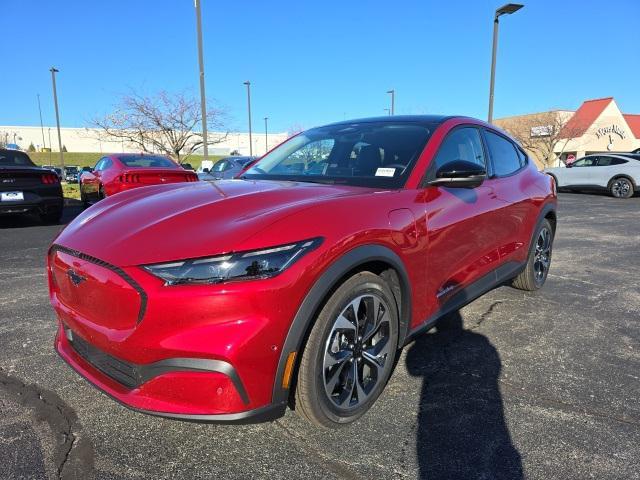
column 461, row 430
column 72, row 209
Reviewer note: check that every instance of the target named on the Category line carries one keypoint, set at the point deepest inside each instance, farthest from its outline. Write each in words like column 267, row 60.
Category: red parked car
column 117, row 173
column 299, row 283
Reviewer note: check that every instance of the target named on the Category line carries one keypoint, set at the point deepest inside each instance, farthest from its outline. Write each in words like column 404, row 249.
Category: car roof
column 623, row 156
column 430, row 119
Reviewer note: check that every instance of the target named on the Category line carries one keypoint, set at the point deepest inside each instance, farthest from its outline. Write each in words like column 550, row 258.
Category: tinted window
column 100, row 164
column 146, row 161
column 606, row 161
column 461, row 144
column 503, row 153
column 375, row 154
column 522, row 156
column 220, row 166
column 585, row 162
column 15, row 159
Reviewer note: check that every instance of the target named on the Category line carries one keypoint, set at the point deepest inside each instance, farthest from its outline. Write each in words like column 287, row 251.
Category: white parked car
column 618, row 174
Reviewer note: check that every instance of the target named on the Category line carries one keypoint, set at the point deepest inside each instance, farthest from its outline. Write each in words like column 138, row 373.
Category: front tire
column 350, row 353
column 621, row 187
column 535, row 272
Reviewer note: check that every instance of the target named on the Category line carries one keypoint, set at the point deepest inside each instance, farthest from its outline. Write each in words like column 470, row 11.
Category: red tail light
column 49, row 178
column 129, row 178
column 191, row 177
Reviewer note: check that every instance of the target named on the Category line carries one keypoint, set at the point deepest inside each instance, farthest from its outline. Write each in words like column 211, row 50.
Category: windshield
column 15, row 159
column 370, row 154
column 146, row 161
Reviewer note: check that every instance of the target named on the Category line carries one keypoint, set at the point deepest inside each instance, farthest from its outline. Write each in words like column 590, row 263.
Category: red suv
column 300, row 282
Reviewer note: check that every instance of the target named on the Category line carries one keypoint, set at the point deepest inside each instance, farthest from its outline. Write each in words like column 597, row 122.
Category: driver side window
column 461, row 144
column 585, row 162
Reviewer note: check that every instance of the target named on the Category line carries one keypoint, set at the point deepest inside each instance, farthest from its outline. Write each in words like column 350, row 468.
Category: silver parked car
column 618, row 174
column 227, row 167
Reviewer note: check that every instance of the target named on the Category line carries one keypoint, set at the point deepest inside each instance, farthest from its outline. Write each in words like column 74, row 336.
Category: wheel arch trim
column 330, row 278
column 622, row 175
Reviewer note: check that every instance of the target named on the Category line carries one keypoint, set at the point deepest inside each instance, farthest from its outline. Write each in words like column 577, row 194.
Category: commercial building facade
column 90, row 140
column 597, row 126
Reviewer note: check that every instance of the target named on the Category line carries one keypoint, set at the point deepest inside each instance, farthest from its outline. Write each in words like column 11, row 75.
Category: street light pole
column 507, row 9
column 266, row 135
column 53, row 71
column 248, row 84
column 203, row 101
column 393, row 101
column 41, row 126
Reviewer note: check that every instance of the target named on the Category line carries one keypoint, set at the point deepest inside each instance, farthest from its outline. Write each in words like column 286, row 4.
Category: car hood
column 185, row 220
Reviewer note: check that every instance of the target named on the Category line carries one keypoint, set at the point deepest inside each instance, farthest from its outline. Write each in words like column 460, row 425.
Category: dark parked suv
column 25, row 187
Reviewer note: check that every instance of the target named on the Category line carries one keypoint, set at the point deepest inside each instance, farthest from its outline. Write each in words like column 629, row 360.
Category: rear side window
column 522, row 156
column 607, row 161
column 503, row 153
column 461, row 144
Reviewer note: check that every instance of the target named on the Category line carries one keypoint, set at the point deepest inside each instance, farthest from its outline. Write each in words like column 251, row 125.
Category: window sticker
column 385, row 172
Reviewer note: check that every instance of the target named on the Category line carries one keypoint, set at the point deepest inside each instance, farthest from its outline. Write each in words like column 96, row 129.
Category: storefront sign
column 612, row 129
column 542, row 131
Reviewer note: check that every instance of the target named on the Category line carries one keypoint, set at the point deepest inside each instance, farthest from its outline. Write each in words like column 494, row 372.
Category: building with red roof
column 556, row 136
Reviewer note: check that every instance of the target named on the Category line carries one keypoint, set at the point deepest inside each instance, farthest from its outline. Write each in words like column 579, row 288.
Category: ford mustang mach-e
column 300, row 282
column 117, row 173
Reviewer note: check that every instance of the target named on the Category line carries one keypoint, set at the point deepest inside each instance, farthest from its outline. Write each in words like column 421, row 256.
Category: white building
column 87, row 140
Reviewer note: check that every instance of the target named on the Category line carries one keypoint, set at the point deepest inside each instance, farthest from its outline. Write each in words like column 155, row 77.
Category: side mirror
column 205, row 170
column 460, row 174
column 569, row 165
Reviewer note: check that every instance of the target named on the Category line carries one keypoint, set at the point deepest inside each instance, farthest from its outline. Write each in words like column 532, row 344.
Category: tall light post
column 203, row 101
column 266, row 135
column 393, row 101
column 41, row 126
column 507, row 9
column 248, row 84
column 53, row 71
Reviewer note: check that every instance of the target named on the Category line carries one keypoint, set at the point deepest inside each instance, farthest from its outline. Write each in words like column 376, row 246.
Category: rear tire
column 535, row 272
column 621, row 187
column 350, row 353
column 83, row 199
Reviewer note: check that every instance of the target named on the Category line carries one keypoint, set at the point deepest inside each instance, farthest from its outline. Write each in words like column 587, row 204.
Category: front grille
column 118, row 370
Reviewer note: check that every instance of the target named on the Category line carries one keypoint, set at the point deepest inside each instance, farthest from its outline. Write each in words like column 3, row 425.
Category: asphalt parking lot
column 516, row 385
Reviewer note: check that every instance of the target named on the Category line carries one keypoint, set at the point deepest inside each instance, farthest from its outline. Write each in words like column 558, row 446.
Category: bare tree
column 543, row 133
column 164, row 123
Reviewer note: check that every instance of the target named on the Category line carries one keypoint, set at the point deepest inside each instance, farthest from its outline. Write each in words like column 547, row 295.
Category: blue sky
column 316, row 62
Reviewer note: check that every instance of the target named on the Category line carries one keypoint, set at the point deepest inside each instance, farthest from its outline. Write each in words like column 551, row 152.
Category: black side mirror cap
column 460, row 174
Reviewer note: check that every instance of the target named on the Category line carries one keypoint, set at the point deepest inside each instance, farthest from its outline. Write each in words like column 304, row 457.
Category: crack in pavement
column 74, row 455
column 486, row 314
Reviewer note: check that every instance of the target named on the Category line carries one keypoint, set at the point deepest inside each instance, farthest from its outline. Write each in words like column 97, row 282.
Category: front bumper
column 201, row 353
column 159, row 388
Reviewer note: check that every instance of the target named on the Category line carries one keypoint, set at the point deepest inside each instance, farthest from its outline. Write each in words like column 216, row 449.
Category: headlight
column 235, row 266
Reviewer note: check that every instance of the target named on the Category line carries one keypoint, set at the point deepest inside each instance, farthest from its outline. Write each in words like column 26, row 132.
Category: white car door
column 579, row 172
